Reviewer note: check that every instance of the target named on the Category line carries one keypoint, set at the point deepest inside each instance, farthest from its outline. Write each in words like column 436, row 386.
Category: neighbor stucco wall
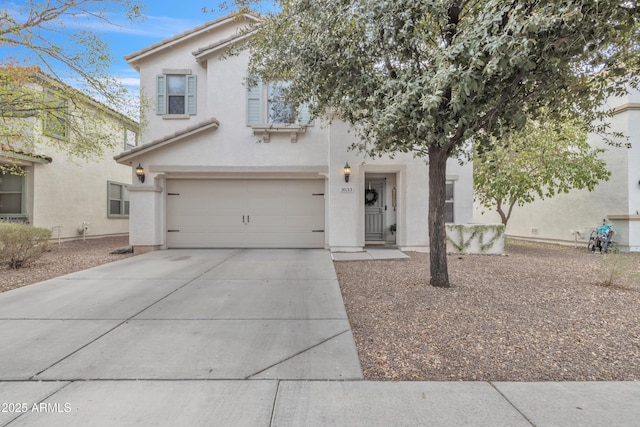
column 68, row 192
column 574, row 214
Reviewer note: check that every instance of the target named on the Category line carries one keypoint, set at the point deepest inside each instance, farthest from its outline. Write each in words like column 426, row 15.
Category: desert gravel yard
column 64, row 258
column 538, row 314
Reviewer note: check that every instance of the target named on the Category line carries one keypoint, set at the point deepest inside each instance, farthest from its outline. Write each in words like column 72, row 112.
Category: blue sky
column 163, row 19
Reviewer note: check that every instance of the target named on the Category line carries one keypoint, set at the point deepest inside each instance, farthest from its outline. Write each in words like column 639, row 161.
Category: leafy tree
column 426, row 76
column 540, row 160
column 54, row 68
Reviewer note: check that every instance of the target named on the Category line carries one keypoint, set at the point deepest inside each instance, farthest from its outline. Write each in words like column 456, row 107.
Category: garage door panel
column 305, row 222
column 245, row 213
column 203, row 240
column 194, row 224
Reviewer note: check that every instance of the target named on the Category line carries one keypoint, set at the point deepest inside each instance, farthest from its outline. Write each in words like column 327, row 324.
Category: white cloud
column 129, row 81
column 151, row 26
column 160, row 26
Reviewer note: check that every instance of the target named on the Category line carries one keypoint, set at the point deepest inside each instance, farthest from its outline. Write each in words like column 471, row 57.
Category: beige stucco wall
column 67, row 192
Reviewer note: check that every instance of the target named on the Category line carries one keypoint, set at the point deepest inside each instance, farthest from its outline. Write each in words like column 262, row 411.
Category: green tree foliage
column 541, row 160
column 426, row 76
column 55, row 67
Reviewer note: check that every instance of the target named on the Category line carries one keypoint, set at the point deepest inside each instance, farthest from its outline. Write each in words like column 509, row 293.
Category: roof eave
column 202, row 54
column 127, row 156
column 135, row 57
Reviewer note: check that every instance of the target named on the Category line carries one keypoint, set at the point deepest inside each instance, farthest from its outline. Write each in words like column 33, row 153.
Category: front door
column 374, row 225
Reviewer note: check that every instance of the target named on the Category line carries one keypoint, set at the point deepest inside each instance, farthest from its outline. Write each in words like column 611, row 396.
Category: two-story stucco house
column 228, row 165
column 43, row 185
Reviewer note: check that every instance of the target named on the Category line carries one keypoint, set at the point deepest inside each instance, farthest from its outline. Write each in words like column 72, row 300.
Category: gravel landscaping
column 541, row 313
column 64, row 258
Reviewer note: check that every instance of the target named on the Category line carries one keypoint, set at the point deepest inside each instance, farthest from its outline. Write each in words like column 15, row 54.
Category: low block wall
column 475, row 238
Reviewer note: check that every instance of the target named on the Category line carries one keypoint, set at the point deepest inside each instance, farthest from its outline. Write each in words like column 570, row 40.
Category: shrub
column 21, row 244
column 618, row 268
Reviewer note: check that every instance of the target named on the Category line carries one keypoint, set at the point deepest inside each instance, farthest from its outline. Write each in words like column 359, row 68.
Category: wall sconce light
column 347, row 172
column 140, row 173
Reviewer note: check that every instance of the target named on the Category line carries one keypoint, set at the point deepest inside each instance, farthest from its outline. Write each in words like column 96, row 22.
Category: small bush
column 618, row 268
column 21, row 245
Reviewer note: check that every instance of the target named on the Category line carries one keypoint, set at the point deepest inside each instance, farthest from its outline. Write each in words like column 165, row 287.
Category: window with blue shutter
column 161, row 94
column 176, row 94
column 254, row 104
column 191, row 95
column 265, row 105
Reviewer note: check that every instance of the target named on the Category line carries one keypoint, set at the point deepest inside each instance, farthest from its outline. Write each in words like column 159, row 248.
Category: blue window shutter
column 161, row 94
column 191, row 95
column 254, row 104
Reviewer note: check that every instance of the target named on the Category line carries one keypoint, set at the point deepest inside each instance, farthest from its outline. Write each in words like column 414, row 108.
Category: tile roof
column 194, row 31
column 8, row 151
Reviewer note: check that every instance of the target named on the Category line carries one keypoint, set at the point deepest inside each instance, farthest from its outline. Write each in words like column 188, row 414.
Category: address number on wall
column 346, row 189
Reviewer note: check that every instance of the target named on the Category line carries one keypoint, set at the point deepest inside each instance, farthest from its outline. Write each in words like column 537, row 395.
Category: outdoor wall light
column 140, row 173
column 347, row 172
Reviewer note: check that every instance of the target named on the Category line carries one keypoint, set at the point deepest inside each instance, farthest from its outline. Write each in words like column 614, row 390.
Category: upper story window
column 55, row 117
column 130, row 139
column 278, row 110
column 266, row 106
column 176, row 93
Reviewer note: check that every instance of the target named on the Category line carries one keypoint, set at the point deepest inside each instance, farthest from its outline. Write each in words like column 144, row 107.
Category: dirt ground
column 539, row 314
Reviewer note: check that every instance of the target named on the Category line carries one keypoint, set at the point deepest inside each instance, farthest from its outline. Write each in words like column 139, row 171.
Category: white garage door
column 245, row 213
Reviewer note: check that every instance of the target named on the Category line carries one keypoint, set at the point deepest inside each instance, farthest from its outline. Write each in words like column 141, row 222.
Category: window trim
column 258, row 109
column 451, row 200
column 22, row 212
column 124, row 200
column 190, row 94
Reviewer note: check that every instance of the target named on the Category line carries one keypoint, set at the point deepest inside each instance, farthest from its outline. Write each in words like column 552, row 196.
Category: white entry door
column 374, row 206
column 245, row 213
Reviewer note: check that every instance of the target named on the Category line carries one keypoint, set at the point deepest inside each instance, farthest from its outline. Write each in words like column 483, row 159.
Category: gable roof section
column 212, row 123
column 202, row 53
column 194, row 32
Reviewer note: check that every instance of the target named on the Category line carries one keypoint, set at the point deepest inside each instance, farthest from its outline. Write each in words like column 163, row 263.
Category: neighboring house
column 74, row 198
column 570, row 218
column 226, row 165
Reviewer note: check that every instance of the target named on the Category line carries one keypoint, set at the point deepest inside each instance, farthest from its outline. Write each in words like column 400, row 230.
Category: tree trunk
column 504, row 216
column 437, row 231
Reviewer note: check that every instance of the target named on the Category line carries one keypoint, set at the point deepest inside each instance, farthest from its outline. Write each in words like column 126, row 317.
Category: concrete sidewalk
column 234, row 338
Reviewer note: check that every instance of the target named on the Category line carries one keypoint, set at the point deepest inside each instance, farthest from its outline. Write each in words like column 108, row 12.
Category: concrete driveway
column 176, row 315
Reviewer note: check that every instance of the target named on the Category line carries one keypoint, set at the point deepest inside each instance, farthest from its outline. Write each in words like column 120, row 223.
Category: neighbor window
column 118, row 203
column 176, row 93
column 11, row 193
column 448, row 207
column 130, row 139
column 266, row 105
column 55, row 117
